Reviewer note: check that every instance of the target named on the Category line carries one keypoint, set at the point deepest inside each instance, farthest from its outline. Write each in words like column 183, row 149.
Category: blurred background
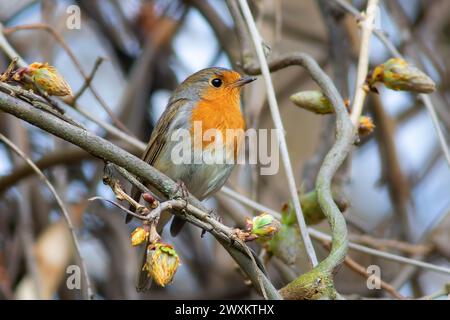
column 396, row 180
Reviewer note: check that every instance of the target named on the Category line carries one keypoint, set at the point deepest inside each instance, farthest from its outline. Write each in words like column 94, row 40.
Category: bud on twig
column 314, row 101
column 263, row 226
column 365, row 126
column 45, row 78
column 397, row 74
column 162, row 263
column 150, row 199
column 139, row 236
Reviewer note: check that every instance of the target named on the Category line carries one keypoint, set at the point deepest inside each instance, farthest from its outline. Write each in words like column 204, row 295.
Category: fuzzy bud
column 397, row 74
column 47, row 79
column 138, row 236
column 162, row 263
column 263, row 226
column 365, row 126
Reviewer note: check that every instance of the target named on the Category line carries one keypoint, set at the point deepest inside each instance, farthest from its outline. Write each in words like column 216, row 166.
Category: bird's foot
column 181, row 186
column 215, row 215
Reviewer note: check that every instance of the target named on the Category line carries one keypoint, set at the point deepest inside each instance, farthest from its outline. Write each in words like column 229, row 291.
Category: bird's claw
column 213, row 214
column 181, row 186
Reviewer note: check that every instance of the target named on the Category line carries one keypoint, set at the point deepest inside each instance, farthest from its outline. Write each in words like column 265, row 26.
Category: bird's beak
column 243, row 81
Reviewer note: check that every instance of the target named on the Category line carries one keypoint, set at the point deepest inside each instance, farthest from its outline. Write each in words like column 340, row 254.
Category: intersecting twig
column 363, row 61
column 88, row 80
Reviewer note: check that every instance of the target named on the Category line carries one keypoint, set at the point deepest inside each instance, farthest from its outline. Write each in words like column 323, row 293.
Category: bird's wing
column 159, row 135
column 157, row 141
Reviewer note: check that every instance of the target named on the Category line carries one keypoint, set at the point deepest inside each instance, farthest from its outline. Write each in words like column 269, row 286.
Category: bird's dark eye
column 216, row 82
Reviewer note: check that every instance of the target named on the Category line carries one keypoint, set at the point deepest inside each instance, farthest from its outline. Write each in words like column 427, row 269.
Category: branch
column 383, row 244
column 363, row 62
column 105, row 150
column 88, row 80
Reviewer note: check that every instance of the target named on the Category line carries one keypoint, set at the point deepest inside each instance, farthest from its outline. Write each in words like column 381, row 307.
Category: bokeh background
column 397, row 179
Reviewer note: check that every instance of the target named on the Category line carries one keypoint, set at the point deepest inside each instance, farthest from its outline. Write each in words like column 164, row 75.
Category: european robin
column 211, row 98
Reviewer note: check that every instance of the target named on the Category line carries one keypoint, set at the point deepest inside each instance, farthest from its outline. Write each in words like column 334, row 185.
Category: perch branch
column 224, row 233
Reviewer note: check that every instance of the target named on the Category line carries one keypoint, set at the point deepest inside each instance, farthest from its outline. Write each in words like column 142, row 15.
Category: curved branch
column 276, row 116
column 320, row 277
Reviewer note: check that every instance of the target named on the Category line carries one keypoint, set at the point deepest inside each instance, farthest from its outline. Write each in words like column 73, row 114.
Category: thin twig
column 10, row 144
column 383, row 244
column 60, row 39
column 319, row 235
column 9, row 50
column 88, row 80
column 273, row 104
column 363, row 61
column 355, row 266
column 118, row 205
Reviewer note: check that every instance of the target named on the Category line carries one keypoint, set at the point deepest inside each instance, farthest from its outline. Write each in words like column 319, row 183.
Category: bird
column 207, row 99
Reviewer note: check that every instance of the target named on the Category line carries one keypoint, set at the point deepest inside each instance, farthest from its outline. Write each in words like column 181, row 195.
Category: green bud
column 397, row 74
column 264, row 226
column 162, row 263
column 314, row 101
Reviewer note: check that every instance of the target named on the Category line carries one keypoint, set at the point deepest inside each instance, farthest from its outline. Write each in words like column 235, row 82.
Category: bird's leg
column 181, row 186
column 215, row 215
column 212, row 212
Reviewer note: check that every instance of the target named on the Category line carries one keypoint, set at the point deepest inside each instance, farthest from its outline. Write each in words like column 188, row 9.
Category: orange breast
column 222, row 114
